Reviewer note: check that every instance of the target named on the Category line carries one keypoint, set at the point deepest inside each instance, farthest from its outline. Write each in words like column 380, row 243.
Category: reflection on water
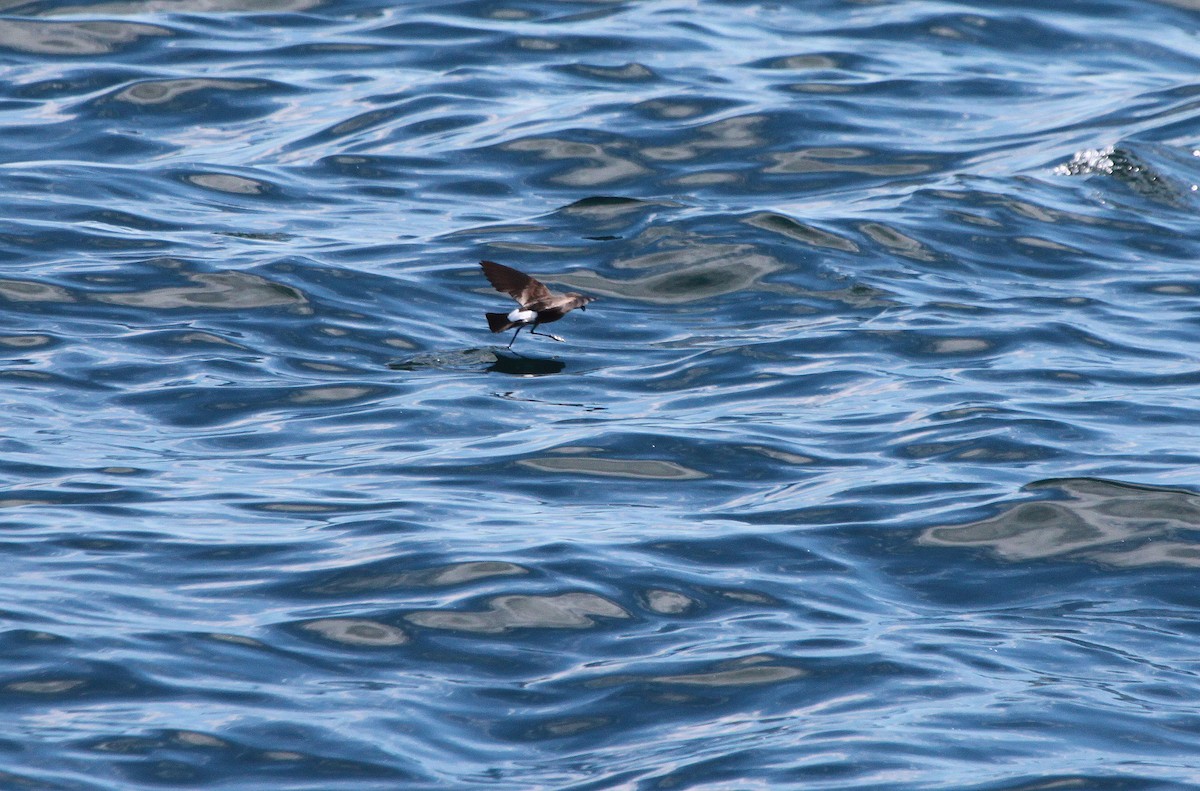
column 1107, row 521
column 685, row 268
column 800, row 232
column 280, row 512
column 30, row 291
column 503, row 613
column 600, row 167
column 193, row 6
column 358, row 632
column 210, row 290
column 752, row 670
column 223, row 290
column 497, row 360
column 520, row 365
column 456, row 574
column 615, row 468
column 73, row 38
column 164, row 91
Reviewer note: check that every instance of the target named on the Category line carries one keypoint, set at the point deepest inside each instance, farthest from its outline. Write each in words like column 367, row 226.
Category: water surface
column 874, row 465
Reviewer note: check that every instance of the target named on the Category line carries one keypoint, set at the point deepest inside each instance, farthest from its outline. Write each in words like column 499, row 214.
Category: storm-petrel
column 538, row 305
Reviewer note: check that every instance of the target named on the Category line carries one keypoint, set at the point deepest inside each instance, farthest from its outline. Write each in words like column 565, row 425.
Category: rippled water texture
column 874, row 465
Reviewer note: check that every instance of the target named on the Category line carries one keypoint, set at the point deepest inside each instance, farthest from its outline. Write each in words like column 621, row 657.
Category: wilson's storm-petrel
column 538, row 305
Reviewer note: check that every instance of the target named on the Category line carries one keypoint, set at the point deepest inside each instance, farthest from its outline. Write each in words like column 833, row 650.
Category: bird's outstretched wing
column 518, row 285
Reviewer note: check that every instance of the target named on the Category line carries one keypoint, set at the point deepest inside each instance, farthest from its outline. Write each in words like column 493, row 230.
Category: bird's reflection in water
column 519, row 365
column 479, row 360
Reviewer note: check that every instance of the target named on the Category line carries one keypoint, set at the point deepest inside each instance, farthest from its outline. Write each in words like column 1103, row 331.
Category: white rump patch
column 524, row 316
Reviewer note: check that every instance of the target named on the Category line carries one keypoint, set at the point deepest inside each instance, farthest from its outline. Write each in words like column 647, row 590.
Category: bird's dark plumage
column 533, row 297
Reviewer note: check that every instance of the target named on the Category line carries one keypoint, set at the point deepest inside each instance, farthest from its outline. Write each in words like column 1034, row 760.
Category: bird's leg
column 514, row 337
column 533, row 331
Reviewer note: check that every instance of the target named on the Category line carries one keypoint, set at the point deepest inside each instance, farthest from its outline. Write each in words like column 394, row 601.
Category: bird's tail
column 498, row 322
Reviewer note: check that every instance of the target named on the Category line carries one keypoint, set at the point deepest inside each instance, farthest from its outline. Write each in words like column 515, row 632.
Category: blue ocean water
column 875, row 464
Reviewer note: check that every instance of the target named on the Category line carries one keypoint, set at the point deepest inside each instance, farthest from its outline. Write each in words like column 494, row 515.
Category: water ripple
column 872, row 466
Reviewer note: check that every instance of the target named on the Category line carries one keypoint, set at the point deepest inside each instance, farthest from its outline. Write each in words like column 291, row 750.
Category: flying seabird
column 538, row 305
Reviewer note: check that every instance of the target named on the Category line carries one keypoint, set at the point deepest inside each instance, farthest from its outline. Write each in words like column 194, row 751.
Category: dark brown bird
column 538, row 305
